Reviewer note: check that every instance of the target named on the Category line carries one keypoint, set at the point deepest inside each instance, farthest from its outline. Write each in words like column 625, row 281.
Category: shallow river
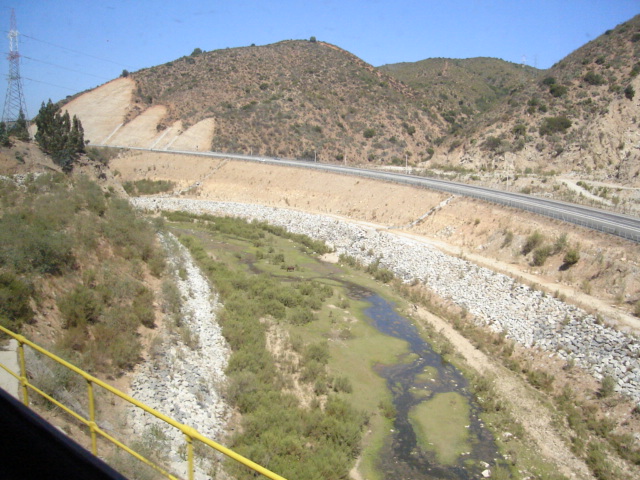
column 421, row 378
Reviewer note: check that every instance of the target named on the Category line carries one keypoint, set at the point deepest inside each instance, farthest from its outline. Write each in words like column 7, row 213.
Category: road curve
column 608, row 222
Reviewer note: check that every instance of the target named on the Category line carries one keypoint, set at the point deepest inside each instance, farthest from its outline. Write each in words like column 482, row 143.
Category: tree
column 125, row 73
column 59, row 135
column 5, row 141
column 313, row 40
column 196, row 52
column 20, row 129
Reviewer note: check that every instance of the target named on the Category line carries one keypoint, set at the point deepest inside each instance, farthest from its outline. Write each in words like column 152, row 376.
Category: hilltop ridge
column 483, row 119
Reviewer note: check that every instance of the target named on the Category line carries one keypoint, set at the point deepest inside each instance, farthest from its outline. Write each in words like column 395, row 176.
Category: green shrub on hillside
column 148, row 187
column 79, row 307
column 594, row 79
column 62, row 226
column 541, row 254
column 15, row 295
column 369, row 133
column 558, row 90
column 572, row 256
column 629, row 92
column 533, row 241
column 492, row 144
column 551, row 125
column 30, row 244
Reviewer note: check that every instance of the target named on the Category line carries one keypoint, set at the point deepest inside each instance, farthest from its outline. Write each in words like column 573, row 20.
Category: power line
column 65, row 68
column 76, row 51
column 71, row 89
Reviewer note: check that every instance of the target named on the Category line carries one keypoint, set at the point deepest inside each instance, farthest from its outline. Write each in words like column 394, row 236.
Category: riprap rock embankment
column 527, row 315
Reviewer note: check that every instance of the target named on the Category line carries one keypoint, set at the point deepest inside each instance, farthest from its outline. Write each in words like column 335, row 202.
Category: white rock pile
column 527, row 315
column 183, row 379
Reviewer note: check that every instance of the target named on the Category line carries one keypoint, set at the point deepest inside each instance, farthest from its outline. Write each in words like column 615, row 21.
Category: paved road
column 613, row 223
column 9, row 358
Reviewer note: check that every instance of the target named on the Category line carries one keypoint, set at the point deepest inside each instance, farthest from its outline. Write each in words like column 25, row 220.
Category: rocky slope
column 184, row 374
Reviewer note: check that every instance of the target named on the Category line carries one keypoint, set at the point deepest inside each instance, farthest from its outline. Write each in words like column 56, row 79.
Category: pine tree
column 59, row 135
column 20, row 129
column 5, row 141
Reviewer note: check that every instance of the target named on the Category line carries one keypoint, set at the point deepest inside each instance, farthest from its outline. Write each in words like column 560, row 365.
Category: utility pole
column 14, row 103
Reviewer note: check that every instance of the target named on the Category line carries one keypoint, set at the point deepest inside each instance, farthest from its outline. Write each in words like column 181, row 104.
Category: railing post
column 23, row 371
column 92, row 419
column 190, row 472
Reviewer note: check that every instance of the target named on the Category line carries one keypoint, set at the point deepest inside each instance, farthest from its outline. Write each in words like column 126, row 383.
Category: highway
column 612, row 223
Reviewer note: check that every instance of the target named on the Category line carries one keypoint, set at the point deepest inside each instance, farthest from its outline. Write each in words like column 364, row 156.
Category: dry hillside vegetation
column 462, row 89
column 293, row 99
column 580, row 116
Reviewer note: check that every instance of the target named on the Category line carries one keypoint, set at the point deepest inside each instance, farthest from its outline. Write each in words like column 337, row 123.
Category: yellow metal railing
column 190, row 433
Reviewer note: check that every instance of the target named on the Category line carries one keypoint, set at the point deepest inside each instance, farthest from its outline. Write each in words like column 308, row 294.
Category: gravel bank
column 183, row 377
column 526, row 315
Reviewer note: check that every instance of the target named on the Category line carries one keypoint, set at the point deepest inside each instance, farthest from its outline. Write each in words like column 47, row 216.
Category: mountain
column 290, row 99
column 579, row 116
column 461, row 89
column 309, row 99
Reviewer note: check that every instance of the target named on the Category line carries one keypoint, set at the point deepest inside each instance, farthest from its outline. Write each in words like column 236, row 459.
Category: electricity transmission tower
column 14, row 103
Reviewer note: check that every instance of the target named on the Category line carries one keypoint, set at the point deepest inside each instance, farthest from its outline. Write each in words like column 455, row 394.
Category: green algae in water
column 441, row 425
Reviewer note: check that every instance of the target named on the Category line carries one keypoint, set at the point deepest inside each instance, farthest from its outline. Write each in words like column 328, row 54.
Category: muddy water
column 402, row 457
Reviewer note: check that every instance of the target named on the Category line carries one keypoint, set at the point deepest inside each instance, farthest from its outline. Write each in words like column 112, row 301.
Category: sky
column 68, row 46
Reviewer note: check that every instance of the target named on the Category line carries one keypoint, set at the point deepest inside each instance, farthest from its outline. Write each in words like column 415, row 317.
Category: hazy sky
column 68, row 46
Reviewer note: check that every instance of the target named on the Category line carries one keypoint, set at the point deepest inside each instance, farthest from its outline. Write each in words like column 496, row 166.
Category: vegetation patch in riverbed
column 441, row 425
column 338, row 323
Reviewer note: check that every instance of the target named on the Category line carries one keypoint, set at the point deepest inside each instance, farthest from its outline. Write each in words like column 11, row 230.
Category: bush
column 560, row 244
column 540, row 255
column 519, row 130
column 540, row 379
column 572, row 256
column 142, row 307
column 551, row 125
column 492, row 143
column 607, row 387
column 629, row 92
column 148, row 187
column 593, row 78
column 301, row 316
column 29, row 244
column 369, row 133
column 79, row 307
column 508, row 238
column 532, row 242
column 15, row 294
column 557, row 90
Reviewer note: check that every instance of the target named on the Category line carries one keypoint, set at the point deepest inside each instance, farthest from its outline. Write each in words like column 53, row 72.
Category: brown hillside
column 290, row 99
column 579, row 117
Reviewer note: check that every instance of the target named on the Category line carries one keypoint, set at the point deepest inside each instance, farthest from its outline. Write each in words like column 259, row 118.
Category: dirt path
column 529, row 412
